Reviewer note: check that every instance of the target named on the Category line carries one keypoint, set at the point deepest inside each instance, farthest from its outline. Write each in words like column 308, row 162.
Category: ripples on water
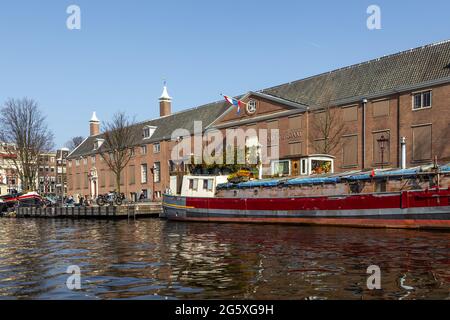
column 155, row 259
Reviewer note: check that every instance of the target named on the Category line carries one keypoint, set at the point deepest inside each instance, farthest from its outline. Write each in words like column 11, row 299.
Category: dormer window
column 98, row 143
column 148, row 131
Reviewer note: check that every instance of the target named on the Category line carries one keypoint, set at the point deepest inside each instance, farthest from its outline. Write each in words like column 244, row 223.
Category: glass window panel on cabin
column 195, row 184
column 210, row 184
column 281, row 167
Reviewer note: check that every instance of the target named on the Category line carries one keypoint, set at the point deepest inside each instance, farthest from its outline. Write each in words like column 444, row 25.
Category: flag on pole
column 235, row 102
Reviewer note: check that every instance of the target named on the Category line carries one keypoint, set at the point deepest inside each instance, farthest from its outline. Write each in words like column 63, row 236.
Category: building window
column 144, row 149
column 132, row 152
column 85, row 161
column 381, row 108
column 70, row 163
column 93, row 159
column 422, row 142
column 281, row 168
column 98, row 143
column 77, row 162
column 295, row 148
column 350, row 113
column 157, row 172
column 422, row 100
column 350, row 151
column 143, row 173
column 131, row 175
column 381, row 147
column 148, row 131
column 156, row 148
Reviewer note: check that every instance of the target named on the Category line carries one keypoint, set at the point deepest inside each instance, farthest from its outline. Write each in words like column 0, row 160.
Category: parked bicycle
column 112, row 198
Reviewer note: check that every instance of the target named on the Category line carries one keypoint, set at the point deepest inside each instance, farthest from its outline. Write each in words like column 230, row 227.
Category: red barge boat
column 405, row 198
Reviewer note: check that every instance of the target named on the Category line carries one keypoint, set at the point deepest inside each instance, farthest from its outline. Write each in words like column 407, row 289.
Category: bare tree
column 327, row 127
column 26, row 136
column 119, row 136
column 73, row 143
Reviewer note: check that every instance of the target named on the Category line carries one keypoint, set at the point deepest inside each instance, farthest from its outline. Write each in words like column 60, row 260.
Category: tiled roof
column 400, row 70
column 391, row 72
column 165, row 126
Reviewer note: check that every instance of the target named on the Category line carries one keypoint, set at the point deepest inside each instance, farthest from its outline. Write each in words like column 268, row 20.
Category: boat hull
column 409, row 209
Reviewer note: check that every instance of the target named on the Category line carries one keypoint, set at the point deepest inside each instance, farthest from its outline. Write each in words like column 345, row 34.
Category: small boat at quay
column 388, row 198
column 25, row 199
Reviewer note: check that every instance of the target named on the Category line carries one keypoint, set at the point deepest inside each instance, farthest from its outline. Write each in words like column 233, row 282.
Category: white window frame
column 304, row 167
column 157, row 173
column 144, row 173
column 421, row 99
column 275, row 162
column 156, row 147
column 148, row 132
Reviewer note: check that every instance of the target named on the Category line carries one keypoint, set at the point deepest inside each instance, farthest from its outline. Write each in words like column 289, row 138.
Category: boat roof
column 349, row 176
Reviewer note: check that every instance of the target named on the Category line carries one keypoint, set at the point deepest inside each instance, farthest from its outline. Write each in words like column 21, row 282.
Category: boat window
column 320, row 166
column 195, row 184
column 304, row 167
column 191, row 184
column 380, row 186
column 281, row 168
column 208, row 184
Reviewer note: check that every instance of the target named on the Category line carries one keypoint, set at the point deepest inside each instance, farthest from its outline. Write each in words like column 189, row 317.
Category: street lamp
column 382, row 142
column 152, row 170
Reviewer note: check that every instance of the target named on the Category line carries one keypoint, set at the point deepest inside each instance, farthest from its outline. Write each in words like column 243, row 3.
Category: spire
column 165, row 103
column 165, row 94
column 94, row 117
column 94, row 125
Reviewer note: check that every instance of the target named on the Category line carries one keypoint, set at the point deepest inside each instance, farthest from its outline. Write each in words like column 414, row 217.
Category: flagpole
column 246, row 104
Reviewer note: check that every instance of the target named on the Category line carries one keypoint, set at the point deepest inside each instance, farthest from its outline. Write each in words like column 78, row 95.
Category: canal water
column 157, row 259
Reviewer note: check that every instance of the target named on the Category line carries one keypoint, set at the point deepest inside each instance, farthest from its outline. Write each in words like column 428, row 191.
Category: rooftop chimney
column 165, row 103
column 94, row 125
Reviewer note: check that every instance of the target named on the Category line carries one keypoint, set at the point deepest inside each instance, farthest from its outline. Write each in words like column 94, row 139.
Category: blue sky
column 124, row 50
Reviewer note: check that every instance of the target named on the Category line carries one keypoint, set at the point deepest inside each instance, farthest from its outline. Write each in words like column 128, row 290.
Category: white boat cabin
column 201, row 186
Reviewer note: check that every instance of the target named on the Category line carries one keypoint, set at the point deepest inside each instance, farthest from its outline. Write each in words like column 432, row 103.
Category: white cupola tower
column 165, row 103
column 94, row 125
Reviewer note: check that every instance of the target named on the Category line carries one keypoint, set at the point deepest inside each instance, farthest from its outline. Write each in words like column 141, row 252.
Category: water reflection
column 154, row 259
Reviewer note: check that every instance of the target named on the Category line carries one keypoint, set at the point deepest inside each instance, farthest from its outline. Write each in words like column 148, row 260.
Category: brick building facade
column 373, row 105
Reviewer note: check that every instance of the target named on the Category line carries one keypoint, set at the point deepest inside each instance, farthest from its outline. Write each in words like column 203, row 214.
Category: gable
column 256, row 106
